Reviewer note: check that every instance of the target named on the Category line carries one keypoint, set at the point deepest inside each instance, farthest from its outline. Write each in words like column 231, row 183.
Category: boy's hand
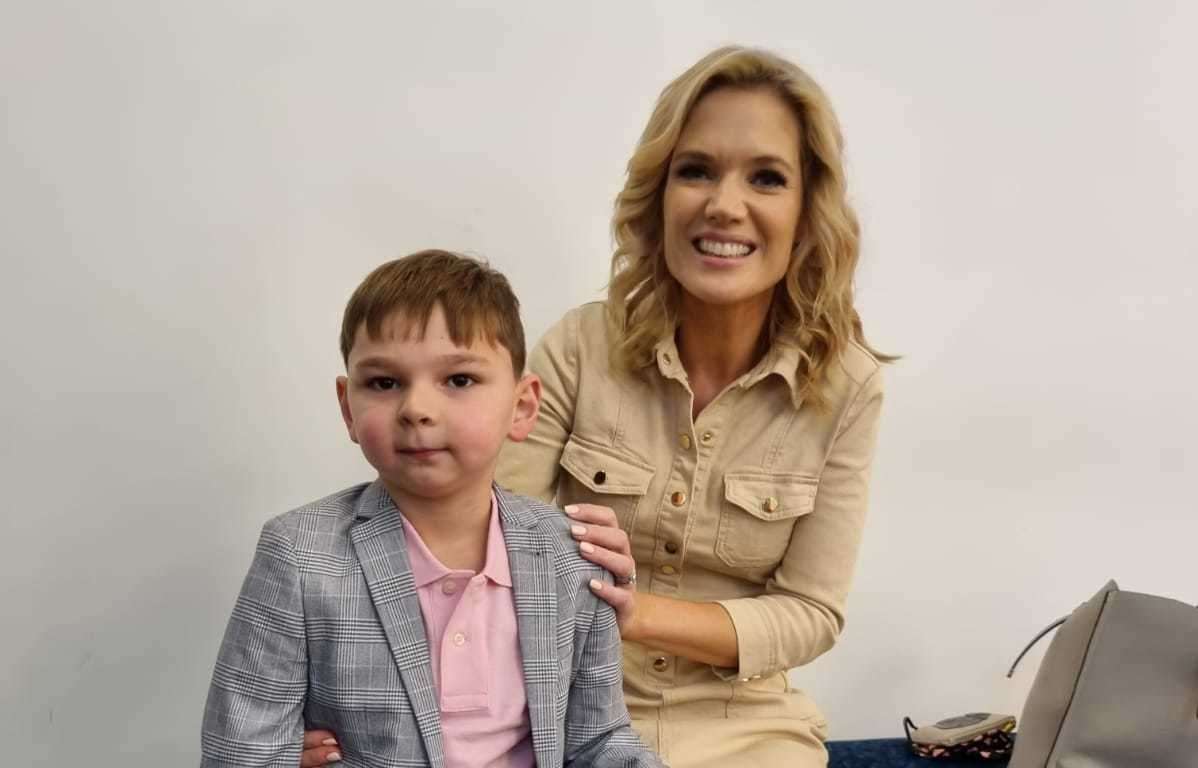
column 320, row 748
column 605, row 544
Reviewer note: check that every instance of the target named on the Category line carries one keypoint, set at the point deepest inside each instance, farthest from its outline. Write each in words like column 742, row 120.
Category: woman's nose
column 727, row 203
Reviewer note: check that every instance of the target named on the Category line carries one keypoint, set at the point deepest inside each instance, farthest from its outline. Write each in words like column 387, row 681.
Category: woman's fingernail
column 334, row 757
column 586, row 547
column 571, row 509
column 578, row 530
column 329, row 742
column 596, row 584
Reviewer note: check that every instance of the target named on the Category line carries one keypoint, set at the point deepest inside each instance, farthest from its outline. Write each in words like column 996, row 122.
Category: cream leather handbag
column 1118, row 687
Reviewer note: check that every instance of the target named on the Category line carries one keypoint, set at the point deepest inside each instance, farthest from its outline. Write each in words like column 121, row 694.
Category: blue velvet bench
column 891, row 753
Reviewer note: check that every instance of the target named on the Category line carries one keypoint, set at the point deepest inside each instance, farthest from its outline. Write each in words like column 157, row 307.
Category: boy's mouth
column 420, row 452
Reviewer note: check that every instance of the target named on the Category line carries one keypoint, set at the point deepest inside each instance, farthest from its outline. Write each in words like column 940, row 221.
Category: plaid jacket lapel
column 534, row 591
column 379, row 543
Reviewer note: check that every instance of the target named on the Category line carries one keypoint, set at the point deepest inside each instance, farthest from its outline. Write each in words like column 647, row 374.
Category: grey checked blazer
column 327, row 632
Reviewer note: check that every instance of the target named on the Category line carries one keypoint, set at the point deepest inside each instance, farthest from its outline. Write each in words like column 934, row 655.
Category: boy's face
column 429, row 415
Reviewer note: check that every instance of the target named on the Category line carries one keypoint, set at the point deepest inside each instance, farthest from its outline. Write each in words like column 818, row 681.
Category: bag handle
column 1035, row 640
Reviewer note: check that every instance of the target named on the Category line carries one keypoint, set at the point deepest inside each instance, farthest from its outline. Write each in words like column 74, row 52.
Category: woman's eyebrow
column 703, row 157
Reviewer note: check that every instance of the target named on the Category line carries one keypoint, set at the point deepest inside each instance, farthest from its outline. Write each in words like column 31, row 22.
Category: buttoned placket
column 459, row 638
column 696, row 443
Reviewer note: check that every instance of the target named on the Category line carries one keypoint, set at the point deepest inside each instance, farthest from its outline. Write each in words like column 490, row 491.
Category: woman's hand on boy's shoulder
column 604, row 543
column 320, row 748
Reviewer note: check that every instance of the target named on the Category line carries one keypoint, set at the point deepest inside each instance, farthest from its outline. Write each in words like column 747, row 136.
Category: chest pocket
column 758, row 514
column 596, row 475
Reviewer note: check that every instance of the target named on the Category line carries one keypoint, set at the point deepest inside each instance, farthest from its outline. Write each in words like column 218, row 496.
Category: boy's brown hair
column 476, row 300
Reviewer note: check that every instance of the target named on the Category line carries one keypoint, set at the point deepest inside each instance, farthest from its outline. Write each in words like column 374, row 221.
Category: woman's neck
column 718, row 345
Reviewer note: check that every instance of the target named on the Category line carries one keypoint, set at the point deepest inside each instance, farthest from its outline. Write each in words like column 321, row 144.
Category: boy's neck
column 454, row 528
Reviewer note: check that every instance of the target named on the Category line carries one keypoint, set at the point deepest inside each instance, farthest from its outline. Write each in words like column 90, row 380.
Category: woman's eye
column 382, row 383
column 768, row 178
column 460, row 380
column 692, row 171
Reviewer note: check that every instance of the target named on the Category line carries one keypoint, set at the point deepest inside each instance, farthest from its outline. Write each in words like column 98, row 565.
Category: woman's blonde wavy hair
column 813, row 303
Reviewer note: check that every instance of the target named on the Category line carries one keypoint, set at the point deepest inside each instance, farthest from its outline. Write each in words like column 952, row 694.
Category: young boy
column 429, row 617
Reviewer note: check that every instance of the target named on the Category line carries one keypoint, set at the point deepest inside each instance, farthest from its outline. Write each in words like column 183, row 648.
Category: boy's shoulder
column 530, row 522
column 320, row 524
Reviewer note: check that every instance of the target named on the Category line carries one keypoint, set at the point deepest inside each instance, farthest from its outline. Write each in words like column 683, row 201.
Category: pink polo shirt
column 470, row 619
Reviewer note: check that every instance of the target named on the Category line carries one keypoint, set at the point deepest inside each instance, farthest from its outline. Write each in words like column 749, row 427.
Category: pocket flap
column 602, row 471
column 771, row 496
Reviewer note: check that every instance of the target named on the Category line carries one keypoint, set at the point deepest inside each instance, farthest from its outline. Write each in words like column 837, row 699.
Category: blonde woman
column 711, row 425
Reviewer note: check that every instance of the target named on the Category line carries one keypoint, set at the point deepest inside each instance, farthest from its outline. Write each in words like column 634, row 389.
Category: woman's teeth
column 722, row 249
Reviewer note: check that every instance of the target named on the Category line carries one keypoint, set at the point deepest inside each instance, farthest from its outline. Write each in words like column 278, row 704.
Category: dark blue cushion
column 891, row 753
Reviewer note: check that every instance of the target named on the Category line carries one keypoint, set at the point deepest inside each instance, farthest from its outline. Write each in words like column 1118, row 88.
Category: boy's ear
column 528, row 405
column 343, row 401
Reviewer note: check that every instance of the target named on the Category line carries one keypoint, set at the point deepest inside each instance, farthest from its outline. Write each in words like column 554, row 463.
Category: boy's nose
column 417, row 407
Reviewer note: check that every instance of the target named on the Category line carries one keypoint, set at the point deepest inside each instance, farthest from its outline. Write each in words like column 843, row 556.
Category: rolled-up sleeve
column 801, row 613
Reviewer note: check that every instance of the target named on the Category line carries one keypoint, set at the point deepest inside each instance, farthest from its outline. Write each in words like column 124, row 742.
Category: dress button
column 600, row 477
column 661, row 663
column 770, row 504
column 669, row 570
column 449, row 587
column 685, row 441
column 671, row 548
column 677, row 498
column 707, row 437
column 459, row 638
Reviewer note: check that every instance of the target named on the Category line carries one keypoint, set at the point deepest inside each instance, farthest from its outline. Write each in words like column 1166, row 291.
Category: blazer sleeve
column 801, row 614
column 254, row 713
column 598, row 729
column 531, row 468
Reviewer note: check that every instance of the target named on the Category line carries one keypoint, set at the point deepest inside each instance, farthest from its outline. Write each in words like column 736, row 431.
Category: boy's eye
column 382, row 383
column 768, row 178
column 460, row 380
column 692, row 171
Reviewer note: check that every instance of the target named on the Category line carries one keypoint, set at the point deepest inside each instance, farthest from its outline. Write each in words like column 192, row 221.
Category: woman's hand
column 320, row 748
column 603, row 543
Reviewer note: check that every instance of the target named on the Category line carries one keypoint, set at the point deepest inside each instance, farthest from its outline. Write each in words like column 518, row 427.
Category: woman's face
column 732, row 198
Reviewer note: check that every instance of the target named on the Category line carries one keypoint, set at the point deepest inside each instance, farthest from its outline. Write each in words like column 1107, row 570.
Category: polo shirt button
column 449, row 587
column 661, row 663
column 459, row 638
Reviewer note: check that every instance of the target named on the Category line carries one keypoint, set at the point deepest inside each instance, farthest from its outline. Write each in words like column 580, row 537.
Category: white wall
column 189, row 191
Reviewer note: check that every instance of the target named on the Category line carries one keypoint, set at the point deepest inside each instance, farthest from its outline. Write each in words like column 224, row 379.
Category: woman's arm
column 802, row 611
column 702, row 632
column 801, row 614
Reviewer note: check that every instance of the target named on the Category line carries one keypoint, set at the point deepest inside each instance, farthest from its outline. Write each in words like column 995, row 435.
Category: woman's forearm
column 701, row 632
